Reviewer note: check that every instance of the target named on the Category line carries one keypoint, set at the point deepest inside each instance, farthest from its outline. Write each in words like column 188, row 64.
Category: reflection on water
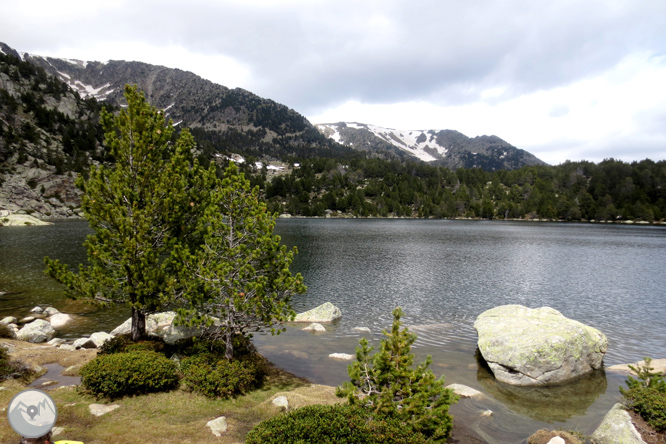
column 547, row 404
column 443, row 274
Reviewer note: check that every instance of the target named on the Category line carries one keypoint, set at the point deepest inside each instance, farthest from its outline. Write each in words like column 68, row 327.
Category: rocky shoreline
column 40, row 326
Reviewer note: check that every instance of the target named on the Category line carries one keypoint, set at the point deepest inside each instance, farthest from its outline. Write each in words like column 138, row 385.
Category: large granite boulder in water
column 528, row 347
column 326, row 312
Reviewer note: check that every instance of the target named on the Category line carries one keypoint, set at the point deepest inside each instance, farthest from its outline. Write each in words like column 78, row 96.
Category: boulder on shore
column 20, row 220
column 326, row 312
column 658, row 365
column 36, row 331
column 617, row 427
column 529, row 347
column 160, row 324
column 59, row 320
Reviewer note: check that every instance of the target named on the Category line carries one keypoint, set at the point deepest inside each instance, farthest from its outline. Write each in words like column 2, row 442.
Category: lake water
column 443, row 274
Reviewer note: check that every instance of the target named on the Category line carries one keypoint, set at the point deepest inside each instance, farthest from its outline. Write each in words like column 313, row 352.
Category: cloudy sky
column 577, row 80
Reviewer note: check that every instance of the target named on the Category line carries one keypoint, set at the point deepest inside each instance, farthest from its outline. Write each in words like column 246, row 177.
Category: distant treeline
column 610, row 191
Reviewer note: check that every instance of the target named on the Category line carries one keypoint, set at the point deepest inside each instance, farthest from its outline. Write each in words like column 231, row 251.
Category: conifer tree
column 241, row 273
column 143, row 207
column 387, row 384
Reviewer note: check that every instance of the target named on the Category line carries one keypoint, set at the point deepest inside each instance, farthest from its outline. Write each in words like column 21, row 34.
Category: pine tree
column 140, row 209
column 241, row 274
column 387, row 384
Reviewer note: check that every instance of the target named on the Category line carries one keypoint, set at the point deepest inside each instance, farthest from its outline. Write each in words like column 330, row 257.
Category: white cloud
column 558, row 78
column 216, row 68
column 601, row 109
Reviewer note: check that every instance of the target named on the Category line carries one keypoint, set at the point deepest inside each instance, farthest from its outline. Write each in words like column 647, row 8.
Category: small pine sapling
column 387, row 385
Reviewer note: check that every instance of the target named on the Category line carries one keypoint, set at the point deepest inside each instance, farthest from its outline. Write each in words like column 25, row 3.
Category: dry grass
column 40, row 354
column 174, row 417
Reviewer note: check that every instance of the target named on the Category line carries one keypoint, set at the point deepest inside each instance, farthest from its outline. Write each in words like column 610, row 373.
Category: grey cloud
column 318, row 53
column 559, row 111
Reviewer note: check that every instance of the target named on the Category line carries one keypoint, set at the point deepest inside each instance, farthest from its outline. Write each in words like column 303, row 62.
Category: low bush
column 122, row 374
column 6, row 369
column 6, row 332
column 213, row 376
column 13, row 369
column 647, row 395
column 650, row 404
column 124, row 344
column 202, row 346
column 337, row 424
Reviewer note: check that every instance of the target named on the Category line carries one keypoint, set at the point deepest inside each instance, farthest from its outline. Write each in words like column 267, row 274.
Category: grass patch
column 159, row 418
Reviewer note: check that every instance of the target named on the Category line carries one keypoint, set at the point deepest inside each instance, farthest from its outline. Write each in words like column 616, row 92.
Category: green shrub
column 388, row 385
column 6, row 369
column 124, row 344
column 6, row 332
column 201, row 346
column 647, row 395
column 213, row 376
column 650, row 404
column 13, row 369
column 121, row 374
column 337, row 424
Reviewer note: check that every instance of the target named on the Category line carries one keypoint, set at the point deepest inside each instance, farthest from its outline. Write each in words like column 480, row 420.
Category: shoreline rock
column 658, row 365
column 326, row 312
column 532, row 347
column 38, row 330
column 21, row 220
column 616, row 427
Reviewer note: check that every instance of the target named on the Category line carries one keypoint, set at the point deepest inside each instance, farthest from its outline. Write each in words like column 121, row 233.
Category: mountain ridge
column 449, row 148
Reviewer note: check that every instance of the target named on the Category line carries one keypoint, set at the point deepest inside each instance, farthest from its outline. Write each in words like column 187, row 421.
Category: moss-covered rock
column 326, row 312
column 617, row 428
column 527, row 347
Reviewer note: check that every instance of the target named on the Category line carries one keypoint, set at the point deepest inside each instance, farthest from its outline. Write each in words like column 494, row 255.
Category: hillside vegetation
column 49, row 134
column 609, row 191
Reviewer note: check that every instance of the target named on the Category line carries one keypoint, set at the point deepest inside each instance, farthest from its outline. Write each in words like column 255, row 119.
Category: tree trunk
column 138, row 325
column 229, row 351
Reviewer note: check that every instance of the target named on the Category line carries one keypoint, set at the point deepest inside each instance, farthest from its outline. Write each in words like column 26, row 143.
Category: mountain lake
column 443, row 273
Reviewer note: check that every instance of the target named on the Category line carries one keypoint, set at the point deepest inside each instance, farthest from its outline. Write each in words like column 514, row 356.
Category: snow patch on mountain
column 419, row 143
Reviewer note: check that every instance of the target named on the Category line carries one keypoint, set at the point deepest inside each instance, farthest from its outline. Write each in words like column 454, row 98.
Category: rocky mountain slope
column 48, row 135
column 50, row 132
column 220, row 118
column 439, row 147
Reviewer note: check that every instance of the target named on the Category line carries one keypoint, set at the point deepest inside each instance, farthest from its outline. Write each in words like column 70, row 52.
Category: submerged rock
column 658, row 365
column 617, row 427
column 314, row 327
column 326, row 312
column 341, row 356
column 527, row 347
column 464, row 391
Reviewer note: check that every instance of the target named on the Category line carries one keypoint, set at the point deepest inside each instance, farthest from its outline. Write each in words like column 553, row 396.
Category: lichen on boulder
column 326, row 312
column 617, row 427
column 529, row 347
